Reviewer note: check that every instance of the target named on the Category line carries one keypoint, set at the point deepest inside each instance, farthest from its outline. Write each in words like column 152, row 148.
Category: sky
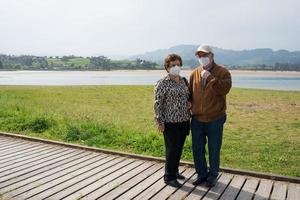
column 129, row 27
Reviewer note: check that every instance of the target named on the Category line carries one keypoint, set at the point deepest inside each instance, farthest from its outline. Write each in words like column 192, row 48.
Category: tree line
column 28, row 62
column 20, row 62
column 276, row 67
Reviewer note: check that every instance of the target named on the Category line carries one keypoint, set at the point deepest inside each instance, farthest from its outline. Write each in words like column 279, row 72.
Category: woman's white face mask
column 204, row 61
column 175, row 70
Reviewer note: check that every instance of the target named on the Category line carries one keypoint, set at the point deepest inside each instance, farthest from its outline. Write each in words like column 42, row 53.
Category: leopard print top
column 170, row 102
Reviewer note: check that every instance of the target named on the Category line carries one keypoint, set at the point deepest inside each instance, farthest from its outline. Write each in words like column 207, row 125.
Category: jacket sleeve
column 221, row 86
column 159, row 102
column 191, row 87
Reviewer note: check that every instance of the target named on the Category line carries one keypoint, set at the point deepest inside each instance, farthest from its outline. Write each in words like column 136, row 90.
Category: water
column 275, row 83
column 261, row 80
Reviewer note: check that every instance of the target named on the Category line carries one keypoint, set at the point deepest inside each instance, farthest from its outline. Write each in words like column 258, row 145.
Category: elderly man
column 209, row 85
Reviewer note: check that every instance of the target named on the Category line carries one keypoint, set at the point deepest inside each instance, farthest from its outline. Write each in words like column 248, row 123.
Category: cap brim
column 201, row 51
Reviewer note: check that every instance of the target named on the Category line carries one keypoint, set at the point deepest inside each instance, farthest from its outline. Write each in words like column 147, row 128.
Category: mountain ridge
column 246, row 57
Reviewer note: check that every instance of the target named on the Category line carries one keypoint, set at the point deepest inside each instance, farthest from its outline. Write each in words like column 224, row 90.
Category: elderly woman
column 172, row 109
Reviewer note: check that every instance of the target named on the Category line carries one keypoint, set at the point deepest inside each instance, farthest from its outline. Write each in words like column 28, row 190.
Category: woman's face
column 173, row 63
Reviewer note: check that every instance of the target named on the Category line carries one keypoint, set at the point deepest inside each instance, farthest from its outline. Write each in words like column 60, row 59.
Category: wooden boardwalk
column 37, row 170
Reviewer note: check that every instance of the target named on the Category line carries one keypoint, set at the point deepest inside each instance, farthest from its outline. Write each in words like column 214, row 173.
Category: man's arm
column 222, row 85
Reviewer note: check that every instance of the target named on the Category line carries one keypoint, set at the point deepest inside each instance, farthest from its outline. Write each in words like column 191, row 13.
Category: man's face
column 210, row 56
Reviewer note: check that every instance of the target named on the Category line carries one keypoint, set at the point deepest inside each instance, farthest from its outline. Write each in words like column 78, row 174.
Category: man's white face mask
column 204, row 61
column 175, row 70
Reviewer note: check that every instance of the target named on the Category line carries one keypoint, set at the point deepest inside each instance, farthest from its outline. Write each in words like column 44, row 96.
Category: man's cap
column 204, row 48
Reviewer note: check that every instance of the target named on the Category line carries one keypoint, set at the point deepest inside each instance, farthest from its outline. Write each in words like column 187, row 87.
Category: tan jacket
column 209, row 101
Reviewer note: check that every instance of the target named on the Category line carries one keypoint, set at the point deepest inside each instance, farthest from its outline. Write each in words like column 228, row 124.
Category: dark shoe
column 173, row 183
column 211, row 183
column 199, row 181
column 179, row 176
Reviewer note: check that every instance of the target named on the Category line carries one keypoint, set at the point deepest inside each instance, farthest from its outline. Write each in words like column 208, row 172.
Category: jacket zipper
column 202, row 95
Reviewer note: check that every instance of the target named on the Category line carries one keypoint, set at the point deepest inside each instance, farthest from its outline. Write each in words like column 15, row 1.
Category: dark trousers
column 174, row 136
column 213, row 132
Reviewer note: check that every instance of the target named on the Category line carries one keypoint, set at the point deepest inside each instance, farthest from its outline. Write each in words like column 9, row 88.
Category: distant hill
column 226, row 56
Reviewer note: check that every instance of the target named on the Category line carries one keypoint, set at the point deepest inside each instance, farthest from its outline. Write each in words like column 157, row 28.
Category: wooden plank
column 168, row 190
column 293, row 191
column 264, row 190
column 80, row 179
column 102, row 187
column 187, row 188
column 143, row 185
column 30, row 167
column 10, row 144
column 155, row 188
column 26, row 168
column 20, row 183
column 25, row 156
column 279, row 191
column 32, row 160
column 35, row 185
column 18, row 151
column 15, row 150
column 102, row 180
column 45, row 190
column 197, row 192
column 96, row 149
column 233, row 188
column 216, row 191
column 134, row 182
column 24, row 179
column 12, row 158
column 201, row 190
column 4, row 140
column 248, row 189
column 30, row 179
column 151, row 158
column 14, row 143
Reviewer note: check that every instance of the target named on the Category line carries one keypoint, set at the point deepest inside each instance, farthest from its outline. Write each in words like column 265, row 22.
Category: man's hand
column 205, row 74
column 161, row 127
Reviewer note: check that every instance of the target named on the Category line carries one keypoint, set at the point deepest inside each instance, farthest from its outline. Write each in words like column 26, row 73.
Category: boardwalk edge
column 152, row 158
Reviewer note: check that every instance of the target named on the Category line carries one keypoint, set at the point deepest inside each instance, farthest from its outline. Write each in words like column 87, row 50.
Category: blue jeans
column 211, row 132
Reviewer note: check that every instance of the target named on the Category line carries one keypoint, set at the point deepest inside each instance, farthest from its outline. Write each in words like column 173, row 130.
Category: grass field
column 262, row 132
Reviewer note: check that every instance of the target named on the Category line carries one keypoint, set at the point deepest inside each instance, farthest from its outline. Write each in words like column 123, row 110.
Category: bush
column 38, row 125
column 87, row 132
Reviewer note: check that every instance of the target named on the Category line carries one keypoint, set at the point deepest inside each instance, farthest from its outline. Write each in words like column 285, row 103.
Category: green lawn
column 262, row 132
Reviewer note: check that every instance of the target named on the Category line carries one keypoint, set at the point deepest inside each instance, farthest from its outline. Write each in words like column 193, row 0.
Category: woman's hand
column 161, row 127
column 189, row 105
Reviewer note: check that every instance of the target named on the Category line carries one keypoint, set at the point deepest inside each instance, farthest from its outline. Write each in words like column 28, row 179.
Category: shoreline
column 270, row 80
column 160, row 71
column 258, row 72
